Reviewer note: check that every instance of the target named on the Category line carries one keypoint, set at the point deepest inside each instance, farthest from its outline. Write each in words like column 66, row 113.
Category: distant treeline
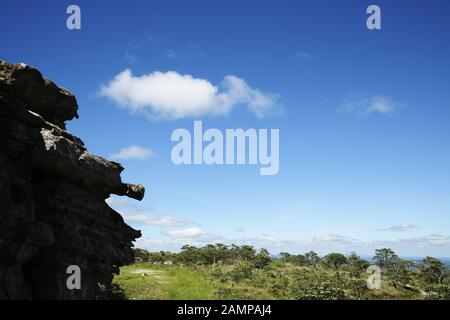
column 431, row 270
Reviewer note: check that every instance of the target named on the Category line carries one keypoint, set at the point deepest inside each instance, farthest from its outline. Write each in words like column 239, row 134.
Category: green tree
column 285, row 256
column 262, row 259
column 222, row 253
column 356, row 265
column 312, row 258
column 141, row 253
column 433, row 271
column 401, row 275
column 334, row 260
column 247, row 252
column 299, row 260
column 189, row 255
column 386, row 258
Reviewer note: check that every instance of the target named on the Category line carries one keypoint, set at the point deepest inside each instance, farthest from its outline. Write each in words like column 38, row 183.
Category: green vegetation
column 241, row 272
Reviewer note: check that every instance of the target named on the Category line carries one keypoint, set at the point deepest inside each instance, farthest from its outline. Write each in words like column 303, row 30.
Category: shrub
column 327, row 290
column 241, row 271
column 437, row 292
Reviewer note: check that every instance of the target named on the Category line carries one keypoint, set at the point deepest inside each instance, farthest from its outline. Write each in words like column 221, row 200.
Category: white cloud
column 185, row 234
column 434, row 244
column 364, row 106
column 170, row 95
column 132, row 152
column 135, row 214
column 116, row 202
column 401, row 227
column 151, row 219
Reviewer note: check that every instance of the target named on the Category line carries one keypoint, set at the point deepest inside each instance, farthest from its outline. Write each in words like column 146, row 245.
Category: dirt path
column 156, row 274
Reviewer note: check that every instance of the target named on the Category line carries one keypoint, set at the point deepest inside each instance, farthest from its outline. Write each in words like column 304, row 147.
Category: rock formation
column 52, row 196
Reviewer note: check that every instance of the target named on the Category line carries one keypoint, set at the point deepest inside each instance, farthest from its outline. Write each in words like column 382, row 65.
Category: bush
column 358, row 287
column 322, row 291
column 241, row 271
column 437, row 292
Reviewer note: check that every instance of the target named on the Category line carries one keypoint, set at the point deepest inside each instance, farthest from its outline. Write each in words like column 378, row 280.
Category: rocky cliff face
column 52, row 196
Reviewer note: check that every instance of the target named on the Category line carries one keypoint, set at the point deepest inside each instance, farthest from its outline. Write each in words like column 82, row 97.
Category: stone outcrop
column 52, row 196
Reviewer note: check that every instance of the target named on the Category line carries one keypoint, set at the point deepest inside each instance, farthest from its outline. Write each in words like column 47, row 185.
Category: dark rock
column 52, row 196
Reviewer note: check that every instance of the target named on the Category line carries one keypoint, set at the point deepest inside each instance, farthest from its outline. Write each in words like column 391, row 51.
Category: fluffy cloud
column 365, row 106
column 132, row 152
column 170, row 95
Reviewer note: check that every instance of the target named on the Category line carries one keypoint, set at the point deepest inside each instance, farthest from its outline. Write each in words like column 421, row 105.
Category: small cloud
column 303, row 55
column 130, row 58
column 240, row 230
column 171, row 54
column 196, row 50
column 400, row 228
column 185, row 234
column 170, row 95
column 132, row 152
column 133, row 47
column 365, row 106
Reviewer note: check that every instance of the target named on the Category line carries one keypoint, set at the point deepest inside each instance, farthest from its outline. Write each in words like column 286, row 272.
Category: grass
column 147, row 281
column 144, row 281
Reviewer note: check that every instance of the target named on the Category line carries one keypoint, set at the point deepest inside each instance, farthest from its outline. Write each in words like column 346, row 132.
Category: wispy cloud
column 132, row 152
column 364, row 106
column 184, row 53
column 171, row 54
column 151, row 219
column 170, row 95
column 185, row 234
column 400, row 228
column 302, row 55
column 140, row 215
column 133, row 47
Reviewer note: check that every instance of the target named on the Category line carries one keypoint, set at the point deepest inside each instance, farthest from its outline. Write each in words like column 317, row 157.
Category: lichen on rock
column 52, row 196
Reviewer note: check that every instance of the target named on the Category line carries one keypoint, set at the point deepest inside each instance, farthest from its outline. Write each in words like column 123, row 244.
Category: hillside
column 219, row 272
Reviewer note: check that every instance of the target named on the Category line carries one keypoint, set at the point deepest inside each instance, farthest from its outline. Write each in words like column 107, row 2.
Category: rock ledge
column 52, row 196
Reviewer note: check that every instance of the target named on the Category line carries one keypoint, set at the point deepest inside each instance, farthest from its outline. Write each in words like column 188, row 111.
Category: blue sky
column 363, row 115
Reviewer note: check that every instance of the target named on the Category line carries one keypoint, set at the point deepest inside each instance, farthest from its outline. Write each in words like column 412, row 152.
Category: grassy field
column 147, row 281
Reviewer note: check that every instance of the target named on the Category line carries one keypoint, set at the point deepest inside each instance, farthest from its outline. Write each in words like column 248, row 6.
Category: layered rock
column 52, row 196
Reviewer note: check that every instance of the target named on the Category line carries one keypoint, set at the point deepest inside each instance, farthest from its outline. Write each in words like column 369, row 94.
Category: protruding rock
column 135, row 191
